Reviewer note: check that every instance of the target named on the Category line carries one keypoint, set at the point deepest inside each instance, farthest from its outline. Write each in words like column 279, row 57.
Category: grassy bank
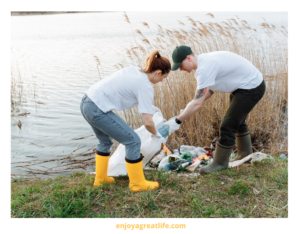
column 258, row 190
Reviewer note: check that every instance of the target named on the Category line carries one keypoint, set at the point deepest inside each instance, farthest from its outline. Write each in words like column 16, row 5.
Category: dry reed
column 266, row 48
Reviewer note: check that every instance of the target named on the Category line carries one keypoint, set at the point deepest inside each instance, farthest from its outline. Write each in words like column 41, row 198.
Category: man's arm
column 191, row 108
column 210, row 93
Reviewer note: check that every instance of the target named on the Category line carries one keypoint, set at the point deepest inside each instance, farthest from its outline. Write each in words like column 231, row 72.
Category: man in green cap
column 226, row 72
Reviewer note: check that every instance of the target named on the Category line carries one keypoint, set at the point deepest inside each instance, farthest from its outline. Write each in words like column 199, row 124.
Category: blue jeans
column 108, row 126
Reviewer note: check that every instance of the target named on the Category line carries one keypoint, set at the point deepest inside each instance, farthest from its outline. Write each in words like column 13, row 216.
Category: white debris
column 189, row 175
column 255, row 157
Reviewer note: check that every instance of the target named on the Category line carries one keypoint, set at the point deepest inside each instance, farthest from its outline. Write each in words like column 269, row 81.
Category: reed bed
column 16, row 87
column 265, row 47
column 23, row 85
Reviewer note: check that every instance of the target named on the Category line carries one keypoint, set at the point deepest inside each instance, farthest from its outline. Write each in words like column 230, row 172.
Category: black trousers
column 242, row 102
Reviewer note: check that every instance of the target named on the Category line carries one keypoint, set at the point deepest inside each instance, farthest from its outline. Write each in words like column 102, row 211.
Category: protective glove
column 173, row 125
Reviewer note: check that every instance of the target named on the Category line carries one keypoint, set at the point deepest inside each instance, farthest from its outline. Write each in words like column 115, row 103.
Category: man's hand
column 174, row 124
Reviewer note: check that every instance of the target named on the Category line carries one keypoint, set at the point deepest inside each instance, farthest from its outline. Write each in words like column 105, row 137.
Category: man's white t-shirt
column 125, row 89
column 225, row 72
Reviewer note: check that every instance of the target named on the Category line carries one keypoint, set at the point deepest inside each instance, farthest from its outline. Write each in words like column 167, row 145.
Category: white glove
column 157, row 135
column 173, row 126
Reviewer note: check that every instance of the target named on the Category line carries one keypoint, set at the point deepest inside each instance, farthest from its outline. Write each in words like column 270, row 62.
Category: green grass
column 258, row 190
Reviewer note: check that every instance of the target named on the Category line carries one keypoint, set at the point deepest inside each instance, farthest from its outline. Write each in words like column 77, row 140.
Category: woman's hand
column 157, row 135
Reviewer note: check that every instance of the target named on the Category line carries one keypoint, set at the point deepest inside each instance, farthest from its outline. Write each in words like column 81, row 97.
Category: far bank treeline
column 47, row 12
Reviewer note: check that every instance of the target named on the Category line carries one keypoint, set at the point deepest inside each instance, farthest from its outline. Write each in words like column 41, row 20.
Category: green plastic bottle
column 187, row 156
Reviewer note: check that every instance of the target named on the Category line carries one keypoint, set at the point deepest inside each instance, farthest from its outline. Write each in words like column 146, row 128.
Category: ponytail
column 156, row 62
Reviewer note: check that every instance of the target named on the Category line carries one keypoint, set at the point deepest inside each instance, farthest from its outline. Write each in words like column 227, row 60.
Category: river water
column 55, row 56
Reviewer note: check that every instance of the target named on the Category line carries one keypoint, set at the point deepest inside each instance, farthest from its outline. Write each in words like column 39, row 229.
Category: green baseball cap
column 179, row 54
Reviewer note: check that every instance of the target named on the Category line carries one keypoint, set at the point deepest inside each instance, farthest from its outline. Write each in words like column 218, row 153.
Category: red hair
column 156, row 62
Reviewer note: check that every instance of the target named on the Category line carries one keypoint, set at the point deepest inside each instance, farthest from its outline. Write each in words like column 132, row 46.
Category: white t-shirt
column 225, row 72
column 124, row 89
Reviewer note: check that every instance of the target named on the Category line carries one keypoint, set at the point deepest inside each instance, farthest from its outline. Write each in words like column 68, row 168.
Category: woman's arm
column 149, row 123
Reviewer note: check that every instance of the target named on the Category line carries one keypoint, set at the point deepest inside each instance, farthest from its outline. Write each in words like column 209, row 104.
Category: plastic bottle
column 182, row 166
column 173, row 157
column 163, row 129
column 176, row 164
column 187, row 156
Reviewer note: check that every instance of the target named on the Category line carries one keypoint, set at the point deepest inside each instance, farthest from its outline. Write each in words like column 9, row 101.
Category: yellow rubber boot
column 137, row 181
column 101, row 171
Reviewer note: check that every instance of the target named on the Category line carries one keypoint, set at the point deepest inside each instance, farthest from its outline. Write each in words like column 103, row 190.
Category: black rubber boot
column 244, row 146
column 221, row 159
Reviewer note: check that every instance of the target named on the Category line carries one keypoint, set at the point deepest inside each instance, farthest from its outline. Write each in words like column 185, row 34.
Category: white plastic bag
column 254, row 157
column 150, row 146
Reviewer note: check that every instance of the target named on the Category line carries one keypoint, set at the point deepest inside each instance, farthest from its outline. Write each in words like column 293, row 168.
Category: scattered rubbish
column 202, row 157
column 194, row 166
column 189, row 175
column 283, row 156
column 158, row 157
column 255, row 157
column 178, row 164
column 187, row 156
column 148, row 168
column 232, row 156
column 208, row 151
column 163, row 162
column 173, row 157
column 256, row 191
column 213, row 143
column 166, row 150
column 195, row 151
column 222, row 182
column 184, row 165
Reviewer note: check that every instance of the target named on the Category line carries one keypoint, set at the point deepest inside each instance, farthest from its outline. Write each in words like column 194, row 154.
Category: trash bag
column 149, row 147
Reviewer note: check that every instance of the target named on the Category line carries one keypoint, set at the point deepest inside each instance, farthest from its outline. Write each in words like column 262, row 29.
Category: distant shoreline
column 18, row 13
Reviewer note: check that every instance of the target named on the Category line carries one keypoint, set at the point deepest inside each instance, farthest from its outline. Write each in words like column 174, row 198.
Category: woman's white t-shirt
column 225, row 72
column 124, row 89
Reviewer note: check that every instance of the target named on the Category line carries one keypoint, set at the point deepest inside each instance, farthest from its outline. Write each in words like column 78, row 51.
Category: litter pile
column 185, row 158
column 191, row 158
